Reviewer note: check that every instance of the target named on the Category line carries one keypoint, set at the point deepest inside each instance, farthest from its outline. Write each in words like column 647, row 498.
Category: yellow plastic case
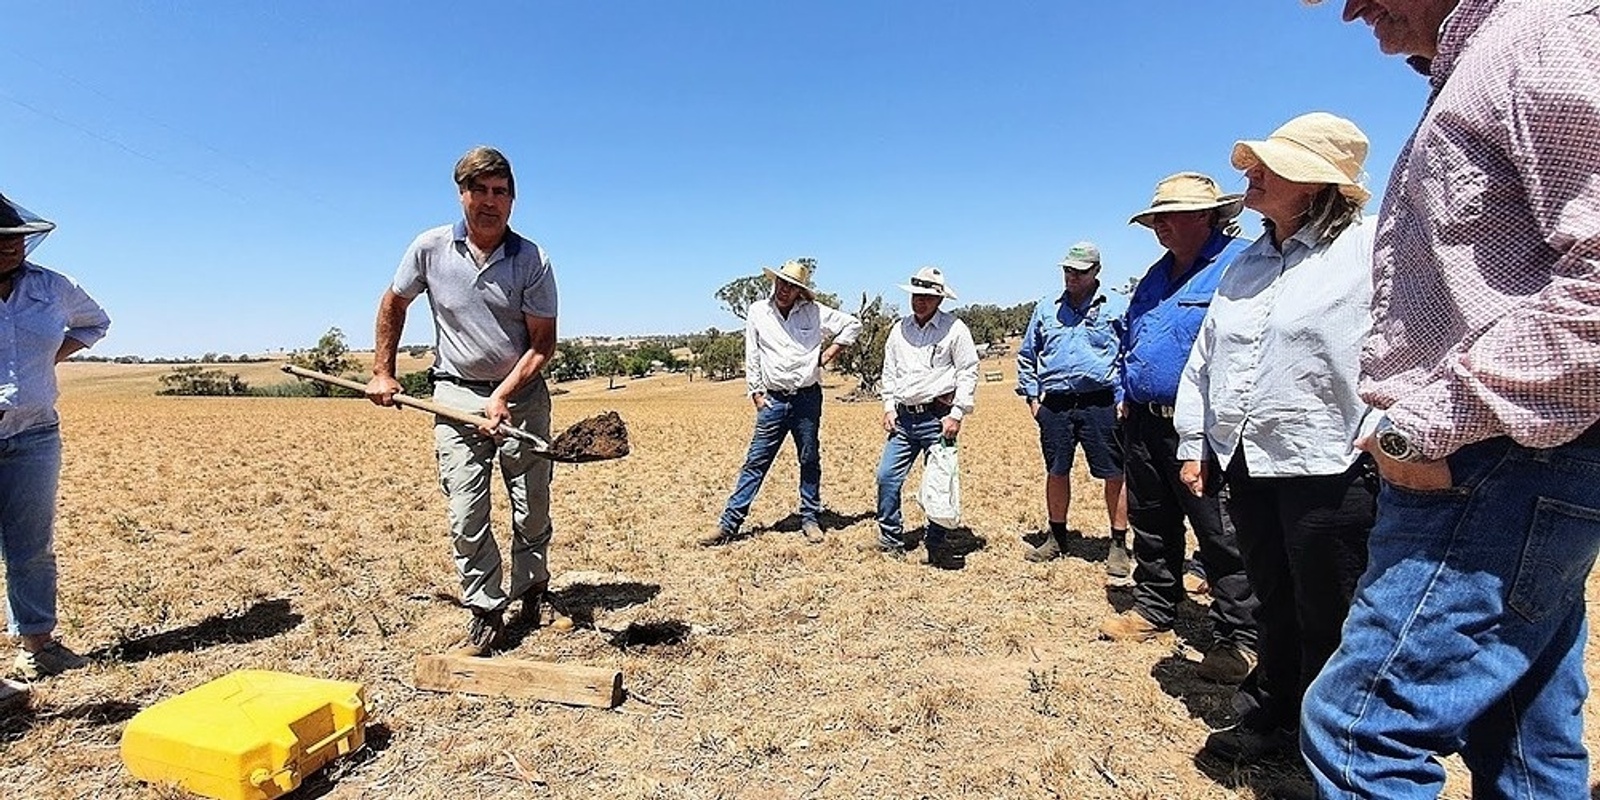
column 249, row 735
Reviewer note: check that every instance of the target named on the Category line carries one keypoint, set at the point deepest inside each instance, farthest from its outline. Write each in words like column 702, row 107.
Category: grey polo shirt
column 478, row 313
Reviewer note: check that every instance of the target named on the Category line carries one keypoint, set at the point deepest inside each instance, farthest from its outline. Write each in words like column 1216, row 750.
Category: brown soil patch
column 598, row 438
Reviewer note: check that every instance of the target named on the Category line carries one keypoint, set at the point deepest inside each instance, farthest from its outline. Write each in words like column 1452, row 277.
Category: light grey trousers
column 466, row 459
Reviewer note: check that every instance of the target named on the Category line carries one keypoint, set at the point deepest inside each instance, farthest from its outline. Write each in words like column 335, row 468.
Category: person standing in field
column 1067, row 373
column 1190, row 217
column 44, row 318
column 1267, row 405
column 492, row 293
column 788, row 339
column 930, row 379
column 1468, row 627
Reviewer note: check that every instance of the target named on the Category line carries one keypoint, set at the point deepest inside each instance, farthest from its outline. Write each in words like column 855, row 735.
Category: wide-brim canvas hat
column 1081, row 257
column 1189, row 191
column 796, row 273
column 1312, row 148
column 16, row 220
column 929, row 280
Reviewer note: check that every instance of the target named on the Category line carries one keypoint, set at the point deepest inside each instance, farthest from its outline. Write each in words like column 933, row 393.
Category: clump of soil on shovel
column 600, row 437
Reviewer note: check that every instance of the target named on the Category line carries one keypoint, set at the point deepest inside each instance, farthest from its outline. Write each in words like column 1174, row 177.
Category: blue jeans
column 913, row 435
column 1466, row 634
column 796, row 413
column 30, row 469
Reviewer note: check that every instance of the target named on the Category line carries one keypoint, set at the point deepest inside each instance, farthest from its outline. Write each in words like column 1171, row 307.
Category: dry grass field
column 202, row 535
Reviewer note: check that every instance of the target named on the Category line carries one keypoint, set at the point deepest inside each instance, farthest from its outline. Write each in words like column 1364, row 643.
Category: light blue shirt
column 1273, row 372
column 44, row 309
column 1072, row 350
column 478, row 313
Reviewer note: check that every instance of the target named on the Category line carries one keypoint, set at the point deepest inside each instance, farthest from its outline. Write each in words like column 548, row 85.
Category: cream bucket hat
column 1313, row 148
column 796, row 273
column 1189, row 191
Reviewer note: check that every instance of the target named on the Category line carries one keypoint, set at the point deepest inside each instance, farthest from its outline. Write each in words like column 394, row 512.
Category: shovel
column 585, row 451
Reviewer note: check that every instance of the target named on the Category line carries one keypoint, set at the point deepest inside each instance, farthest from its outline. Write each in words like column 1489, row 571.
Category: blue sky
column 238, row 177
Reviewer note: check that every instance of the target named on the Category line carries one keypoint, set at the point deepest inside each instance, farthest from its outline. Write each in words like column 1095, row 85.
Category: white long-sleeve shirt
column 784, row 353
column 923, row 362
column 44, row 309
column 1274, row 370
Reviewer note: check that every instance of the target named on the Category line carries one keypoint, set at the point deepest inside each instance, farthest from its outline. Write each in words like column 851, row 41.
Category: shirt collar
column 1094, row 299
column 512, row 242
column 1208, row 253
column 1457, row 29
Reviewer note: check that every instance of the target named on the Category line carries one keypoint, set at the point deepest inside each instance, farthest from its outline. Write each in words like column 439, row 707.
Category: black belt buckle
column 1163, row 411
column 915, row 408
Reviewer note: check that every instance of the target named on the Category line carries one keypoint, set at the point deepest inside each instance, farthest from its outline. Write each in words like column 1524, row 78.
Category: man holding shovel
column 493, row 298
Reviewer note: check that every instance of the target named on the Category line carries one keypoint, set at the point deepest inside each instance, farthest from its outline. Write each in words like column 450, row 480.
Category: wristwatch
column 1394, row 443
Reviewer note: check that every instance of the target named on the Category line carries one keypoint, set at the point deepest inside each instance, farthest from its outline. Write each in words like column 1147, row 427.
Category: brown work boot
column 1130, row 626
column 719, row 537
column 1049, row 551
column 1226, row 663
column 812, row 531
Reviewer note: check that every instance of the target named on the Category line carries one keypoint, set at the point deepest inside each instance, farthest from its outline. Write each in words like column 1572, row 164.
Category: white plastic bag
column 940, row 493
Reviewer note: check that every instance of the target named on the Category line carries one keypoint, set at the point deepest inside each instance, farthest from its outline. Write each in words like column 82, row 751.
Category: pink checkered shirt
column 1486, row 267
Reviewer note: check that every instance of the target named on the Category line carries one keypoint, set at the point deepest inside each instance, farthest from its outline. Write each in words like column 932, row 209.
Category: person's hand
column 1418, row 476
column 382, row 389
column 1033, row 408
column 888, row 422
column 950, row 428
column 498, row 412
column 1193, row 476
column 1122, row 410
column 760, row 400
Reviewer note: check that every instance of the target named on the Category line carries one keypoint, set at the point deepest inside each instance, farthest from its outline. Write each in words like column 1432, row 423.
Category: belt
column 780, row 393
column 1156, row 409
column 1098, row 397
column 935, row 407
column 445, row 377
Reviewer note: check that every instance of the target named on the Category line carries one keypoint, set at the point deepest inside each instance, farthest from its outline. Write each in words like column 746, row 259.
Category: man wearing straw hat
column 493, row 297
column 1067, row 373
column 788, row 339
column 44, row 318
column 930, row 378
column 1468, row 627
column 1190, row 217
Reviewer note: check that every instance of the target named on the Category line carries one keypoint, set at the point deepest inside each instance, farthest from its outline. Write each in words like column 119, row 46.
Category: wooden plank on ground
column 510, row 677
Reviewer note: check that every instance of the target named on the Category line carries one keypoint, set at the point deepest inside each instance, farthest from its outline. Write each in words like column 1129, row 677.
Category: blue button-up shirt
column 1164, row 316
column 1071, row 350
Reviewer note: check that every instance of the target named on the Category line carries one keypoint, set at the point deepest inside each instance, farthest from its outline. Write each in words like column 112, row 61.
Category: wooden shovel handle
column 407, row 400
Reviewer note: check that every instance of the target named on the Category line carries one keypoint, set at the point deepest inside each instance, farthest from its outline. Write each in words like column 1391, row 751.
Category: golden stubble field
column 197, row 536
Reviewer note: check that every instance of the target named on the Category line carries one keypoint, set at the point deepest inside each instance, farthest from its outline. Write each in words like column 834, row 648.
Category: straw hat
column 1082, row 257
column 1189, row 191
column 1313, row 148
column 929, row 280
column 14, row 220
column 796, row 273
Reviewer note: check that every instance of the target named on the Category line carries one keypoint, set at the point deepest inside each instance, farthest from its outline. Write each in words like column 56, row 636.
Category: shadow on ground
column 263, row 620
column 1272, row 779
column 639, row 635
column 104, row 712
column 582, row 602
column 958, row 544
column 828, row 519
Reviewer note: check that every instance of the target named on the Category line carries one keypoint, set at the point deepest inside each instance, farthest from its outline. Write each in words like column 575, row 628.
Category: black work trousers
column 1304, row 541
column 1157, row 507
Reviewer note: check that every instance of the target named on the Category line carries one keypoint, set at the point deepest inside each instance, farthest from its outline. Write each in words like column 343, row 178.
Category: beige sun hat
column 929, row 280
column 1189, row 191
column 1312, row 148
column 796, row 273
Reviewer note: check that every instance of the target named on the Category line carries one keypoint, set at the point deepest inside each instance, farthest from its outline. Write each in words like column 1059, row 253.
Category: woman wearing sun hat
column 1269, row 391
column 44, row 317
